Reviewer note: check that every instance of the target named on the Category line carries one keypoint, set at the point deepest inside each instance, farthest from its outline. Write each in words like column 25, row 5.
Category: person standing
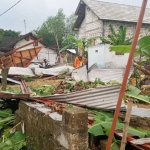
column 78, row 62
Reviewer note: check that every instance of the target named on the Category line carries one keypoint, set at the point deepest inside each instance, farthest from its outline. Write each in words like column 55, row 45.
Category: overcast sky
column 35, row 12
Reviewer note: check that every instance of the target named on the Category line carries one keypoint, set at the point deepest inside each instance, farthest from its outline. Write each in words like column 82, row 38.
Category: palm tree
column 118, row 38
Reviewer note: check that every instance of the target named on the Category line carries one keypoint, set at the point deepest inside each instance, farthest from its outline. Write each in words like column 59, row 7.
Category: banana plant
column 143, row 48
column 117, row 38
column 102, row 126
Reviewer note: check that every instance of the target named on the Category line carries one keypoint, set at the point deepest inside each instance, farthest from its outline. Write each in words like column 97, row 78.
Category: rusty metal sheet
column 141, row 141
column 99, row 98
column 14, row 96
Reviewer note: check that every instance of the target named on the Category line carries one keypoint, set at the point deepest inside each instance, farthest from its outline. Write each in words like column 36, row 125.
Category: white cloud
column 35, row 12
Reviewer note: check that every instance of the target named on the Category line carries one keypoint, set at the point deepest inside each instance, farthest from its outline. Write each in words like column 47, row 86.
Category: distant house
column 94, row 18
column 68, row 56
column 9, row 43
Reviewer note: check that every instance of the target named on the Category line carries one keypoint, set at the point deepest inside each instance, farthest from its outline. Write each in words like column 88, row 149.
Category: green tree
column 71, row 42
column 43, row 32
column 69, row 23
column 53, row 29
column 117, row 38
column 10, row 33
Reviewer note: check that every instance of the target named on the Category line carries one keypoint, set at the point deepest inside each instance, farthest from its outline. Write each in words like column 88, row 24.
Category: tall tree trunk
column 56, row 38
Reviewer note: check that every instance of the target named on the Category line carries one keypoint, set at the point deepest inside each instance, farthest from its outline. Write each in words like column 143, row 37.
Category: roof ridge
column 117, row 3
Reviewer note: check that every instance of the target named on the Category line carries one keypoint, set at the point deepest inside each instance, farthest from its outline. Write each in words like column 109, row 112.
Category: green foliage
column 11, row 90
column 43, row 90
column 69, row 23
column 134, row 93
column 42, row 31
column 71, row 42
column 6, row 117
column 113, row 82
column 118, row 38
column 14, row 141
column 10, row 33
column 52, row 29
column 70, row 106
column 103, row 122
column 98, row 81
column 143, row 48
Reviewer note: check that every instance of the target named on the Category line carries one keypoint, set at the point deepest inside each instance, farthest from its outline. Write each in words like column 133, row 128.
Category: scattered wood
column 145, row 87
column 145, row 71
column 14, row 96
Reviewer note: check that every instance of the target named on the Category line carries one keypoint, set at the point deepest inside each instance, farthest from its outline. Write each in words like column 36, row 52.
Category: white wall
column 114, row 61
column 47, row 53
column 101, row 55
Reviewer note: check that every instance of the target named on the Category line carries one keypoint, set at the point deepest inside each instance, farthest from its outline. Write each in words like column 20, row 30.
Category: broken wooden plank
column 14, row 96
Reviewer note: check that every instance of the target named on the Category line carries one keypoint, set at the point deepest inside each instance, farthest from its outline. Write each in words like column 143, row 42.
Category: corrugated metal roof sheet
column 99, row 98
column 118, row 12
column 141, row 112
column 108, row 74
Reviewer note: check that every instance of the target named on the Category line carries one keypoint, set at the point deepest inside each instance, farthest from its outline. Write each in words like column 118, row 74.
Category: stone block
column 75, row 119
column 46, row 133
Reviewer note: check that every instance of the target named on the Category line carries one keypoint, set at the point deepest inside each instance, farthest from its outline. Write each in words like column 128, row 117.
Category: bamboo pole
column 126, row 124
column 125, row 78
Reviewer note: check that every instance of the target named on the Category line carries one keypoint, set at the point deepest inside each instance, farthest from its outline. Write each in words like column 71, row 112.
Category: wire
column 10, row 8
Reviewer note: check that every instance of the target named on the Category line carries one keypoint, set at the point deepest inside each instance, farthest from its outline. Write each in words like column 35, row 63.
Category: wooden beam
column 22, row 57
column 30, row 54
column 36, row 55
column 14, row 61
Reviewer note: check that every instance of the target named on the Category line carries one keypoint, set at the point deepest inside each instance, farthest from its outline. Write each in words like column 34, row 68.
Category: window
column 117, row 53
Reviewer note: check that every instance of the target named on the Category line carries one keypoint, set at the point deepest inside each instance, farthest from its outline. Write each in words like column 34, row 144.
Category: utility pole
column 25, row 25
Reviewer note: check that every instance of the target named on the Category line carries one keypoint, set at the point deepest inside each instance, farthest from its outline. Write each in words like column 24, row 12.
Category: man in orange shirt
column 78, row 62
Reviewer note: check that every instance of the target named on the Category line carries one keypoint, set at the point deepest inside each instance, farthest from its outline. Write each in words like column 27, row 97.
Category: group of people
column 80, row 61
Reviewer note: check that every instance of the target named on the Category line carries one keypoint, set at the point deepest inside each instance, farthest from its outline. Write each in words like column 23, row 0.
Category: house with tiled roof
column 93, row 20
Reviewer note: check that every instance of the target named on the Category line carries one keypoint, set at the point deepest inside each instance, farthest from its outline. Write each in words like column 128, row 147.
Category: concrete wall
column 101, row 55
column 130, row 28
column 47, row 53
column 114, row 61
column 92, row 26
column 50, row 131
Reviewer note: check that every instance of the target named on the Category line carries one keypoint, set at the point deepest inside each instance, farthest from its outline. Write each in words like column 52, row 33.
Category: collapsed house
column 25, row 50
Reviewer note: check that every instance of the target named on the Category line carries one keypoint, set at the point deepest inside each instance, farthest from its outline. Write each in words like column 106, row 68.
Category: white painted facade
column 47, row 53
column 101, row 55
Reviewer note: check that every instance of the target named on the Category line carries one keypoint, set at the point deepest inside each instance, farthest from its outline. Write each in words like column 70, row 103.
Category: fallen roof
column 110, row 11
column 99, row 98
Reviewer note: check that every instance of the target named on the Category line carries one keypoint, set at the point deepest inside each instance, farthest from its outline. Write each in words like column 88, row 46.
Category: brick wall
column 92, row 26
column 51, row 131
